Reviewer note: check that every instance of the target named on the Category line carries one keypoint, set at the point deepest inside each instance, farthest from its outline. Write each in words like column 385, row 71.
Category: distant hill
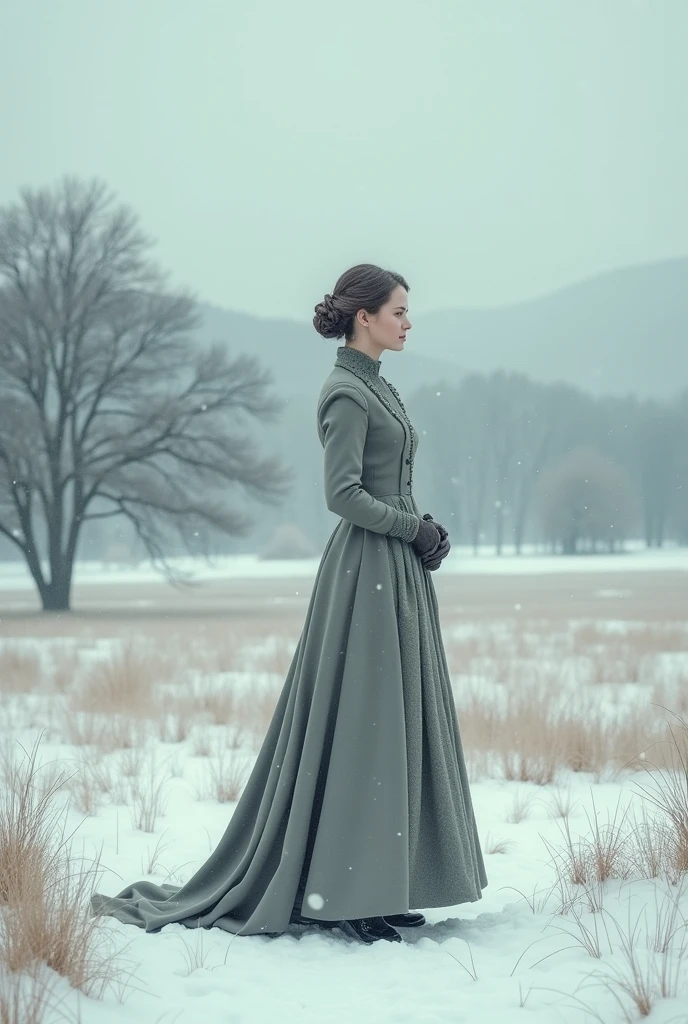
column 625, row 331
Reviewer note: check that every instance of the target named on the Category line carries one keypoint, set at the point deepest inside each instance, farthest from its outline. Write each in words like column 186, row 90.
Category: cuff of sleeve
column 406, row 526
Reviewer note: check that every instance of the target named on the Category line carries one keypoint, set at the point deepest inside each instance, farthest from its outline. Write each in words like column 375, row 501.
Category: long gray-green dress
column 358, row 804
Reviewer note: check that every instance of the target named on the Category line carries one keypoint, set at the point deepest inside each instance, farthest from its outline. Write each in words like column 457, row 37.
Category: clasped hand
column 434, row 559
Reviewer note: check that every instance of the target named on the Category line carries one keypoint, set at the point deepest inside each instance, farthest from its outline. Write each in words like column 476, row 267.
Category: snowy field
column 565, row 719
column 462, row 560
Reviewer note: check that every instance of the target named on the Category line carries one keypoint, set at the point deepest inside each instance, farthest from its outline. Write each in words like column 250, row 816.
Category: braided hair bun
column 328, row 319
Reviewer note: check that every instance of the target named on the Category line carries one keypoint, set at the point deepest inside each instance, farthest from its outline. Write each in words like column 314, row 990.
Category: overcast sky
column 489, row 150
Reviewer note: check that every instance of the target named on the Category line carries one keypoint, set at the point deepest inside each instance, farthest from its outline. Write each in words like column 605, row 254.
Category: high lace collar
column 353, row 359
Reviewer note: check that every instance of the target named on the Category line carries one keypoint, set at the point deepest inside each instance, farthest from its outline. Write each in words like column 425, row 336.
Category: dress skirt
column 358, row 804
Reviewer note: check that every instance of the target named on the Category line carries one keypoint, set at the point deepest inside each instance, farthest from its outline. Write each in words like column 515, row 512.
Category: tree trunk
column 498, row 529
column 56, row 596
column 570, row 544
column 474, row 529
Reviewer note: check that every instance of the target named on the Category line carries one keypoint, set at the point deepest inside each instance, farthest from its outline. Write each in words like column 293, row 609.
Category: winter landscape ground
column 128, row 727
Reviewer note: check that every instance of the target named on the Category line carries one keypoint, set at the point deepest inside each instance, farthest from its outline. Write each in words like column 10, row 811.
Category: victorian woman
column 358, row 806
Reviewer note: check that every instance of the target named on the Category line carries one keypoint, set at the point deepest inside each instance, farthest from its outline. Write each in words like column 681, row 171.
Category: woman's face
column 387, row 328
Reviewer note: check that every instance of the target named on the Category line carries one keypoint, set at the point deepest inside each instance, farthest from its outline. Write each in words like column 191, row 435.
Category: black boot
column 361, row 928
column 369, row 930
column 410, row 920
column 385, row 929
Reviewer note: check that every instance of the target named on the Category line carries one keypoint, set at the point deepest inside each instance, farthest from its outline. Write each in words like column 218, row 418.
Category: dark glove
column 427, row 540
column 433, row 560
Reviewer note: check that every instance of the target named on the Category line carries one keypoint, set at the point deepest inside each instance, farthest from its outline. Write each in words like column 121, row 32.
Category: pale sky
column 489, row 150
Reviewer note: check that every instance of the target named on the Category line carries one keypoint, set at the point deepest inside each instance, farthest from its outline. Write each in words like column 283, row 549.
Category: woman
column 358, row 805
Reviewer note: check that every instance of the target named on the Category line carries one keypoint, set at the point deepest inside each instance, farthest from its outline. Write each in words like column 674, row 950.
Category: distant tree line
column 514, row 460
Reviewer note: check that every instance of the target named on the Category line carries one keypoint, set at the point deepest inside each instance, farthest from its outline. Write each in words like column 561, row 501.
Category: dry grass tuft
column 668, row 791
column 212, row 702
column 522, row 803
column 147, row 792
column 561, row 804
column 654, row 958
column 497, row 845
column 654, row 847
column 123, row 683
column 45, row 912
column 226, row 774
column 21, row 671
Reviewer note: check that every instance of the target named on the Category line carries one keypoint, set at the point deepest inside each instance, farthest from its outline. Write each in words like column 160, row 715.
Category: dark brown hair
column 364, row 286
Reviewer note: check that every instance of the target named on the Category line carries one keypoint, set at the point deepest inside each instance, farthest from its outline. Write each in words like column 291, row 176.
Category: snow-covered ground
column 508, row 957
column 461, row 560
column 468, row 963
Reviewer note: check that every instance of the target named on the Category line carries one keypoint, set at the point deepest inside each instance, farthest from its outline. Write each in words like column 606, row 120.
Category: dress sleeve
column 343, row 425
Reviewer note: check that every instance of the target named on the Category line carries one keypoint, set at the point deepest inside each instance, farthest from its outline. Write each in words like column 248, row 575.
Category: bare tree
column 586, row 499
column 523, row 423
column 472, row 412
column 681, row 480
column 107, row 406
column 509, row 420
column 659, row 444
